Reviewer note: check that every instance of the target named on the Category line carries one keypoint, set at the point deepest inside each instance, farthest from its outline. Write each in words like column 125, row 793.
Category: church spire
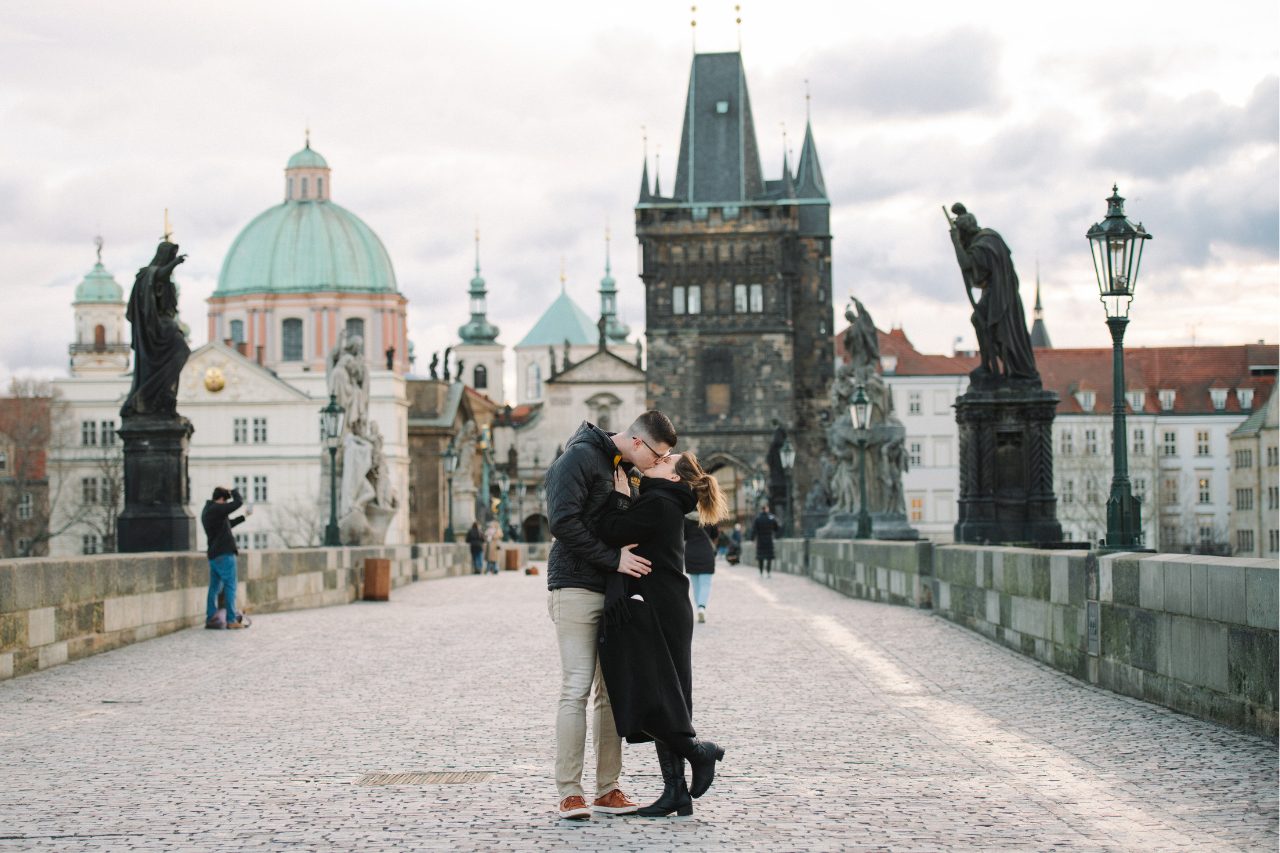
column 479, row 330
column 1039, row 331
column 809, row 171
column 616, row 332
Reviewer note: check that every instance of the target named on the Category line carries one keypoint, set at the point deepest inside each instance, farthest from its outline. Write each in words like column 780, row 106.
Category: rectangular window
column 1273, row 497
column 4, row 461
column 740, row 304
column 1244, row 541
column 108, row 433
column 1068, row 442
column 240, row 483
column 1203, row 491
column 915, row 454
column 1167, row 398
column 694, row 299
column 88, row 433
column 757, row 298
column 1244, row 458
column 237, row 326
column 1139, row 442
column 917, row 508
column 26, row 506
column 1140, row 488
column 1091, row 442
column 717, row 381
column 1273, row 456
column 1273, row 541
column 89, row 543
column 1091, row 490
column 1169, row 487
column 1244, row 499
column 1137, row 400
column 1169, row 537
column 88, row 490
column 242, row 540
column 291, row 340
column 1069, row 492
column 105, row 492
column 1202, row 442
column 677, row 299
column 1245, row 396
column 1170, row 445
column 24, row 546
column 913, row 402
column 1218, row 396
column 259, row 430
column 259, row 541
column 260, row 487
column 240, row 430
column 1204, row 531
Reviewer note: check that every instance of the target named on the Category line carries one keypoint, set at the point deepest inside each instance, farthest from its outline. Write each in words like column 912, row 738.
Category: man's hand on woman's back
column 631, row 564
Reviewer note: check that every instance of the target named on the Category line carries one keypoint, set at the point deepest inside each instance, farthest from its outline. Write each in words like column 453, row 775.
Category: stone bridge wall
column 53, row 609
column 1196, row 634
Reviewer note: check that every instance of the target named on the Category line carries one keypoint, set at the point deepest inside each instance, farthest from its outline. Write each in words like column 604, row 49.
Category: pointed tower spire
column 1039, row 331
column 479, row 330
column 657, row 173
column 788, row 182
column 809, row 172
column 613, row 330
column 645, row 195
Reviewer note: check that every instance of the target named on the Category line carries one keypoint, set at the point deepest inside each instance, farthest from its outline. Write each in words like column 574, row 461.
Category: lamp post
column 1117, row 244
column 483, row 447
column 450, row 465
column 331, row 418
column 787, row 455
column 520, row 492
column 860, row 410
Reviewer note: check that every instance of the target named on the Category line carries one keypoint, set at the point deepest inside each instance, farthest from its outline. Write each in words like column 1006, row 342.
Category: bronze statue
column 860, row 339
column 159, row 344
column 987, row 264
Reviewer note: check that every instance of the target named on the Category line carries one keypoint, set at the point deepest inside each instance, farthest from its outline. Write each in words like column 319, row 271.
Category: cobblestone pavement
column 847, row 725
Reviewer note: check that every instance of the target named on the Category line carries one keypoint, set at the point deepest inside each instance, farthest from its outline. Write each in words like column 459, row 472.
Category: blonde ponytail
column 712, row 506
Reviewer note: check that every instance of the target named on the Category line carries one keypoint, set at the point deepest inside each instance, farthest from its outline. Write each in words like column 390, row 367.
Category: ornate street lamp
column 1117, row 253
column 331, row 418
column 787, row 455
column 450, row 465
column 860, row 411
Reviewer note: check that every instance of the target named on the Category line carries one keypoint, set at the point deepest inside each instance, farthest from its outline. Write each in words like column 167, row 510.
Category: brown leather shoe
column 615, row 802
column 574, row 808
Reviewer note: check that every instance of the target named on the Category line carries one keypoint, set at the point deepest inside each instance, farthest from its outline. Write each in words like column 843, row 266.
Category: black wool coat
column 764, row 528
column 645, row 644
column 699, row 550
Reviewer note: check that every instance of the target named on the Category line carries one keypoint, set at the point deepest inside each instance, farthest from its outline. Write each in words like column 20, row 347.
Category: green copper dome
column 307, row 159
column 99, row 286
column 303, row 246
column 562, row 321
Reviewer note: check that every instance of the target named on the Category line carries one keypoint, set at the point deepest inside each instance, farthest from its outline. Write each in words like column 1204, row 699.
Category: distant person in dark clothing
column 222, row 553
column 475, row 541
column 700, row 560
column 763, row 530
column 646, row 633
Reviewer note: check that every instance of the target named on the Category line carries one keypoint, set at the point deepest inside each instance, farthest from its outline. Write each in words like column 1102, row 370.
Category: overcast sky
column 526, row 117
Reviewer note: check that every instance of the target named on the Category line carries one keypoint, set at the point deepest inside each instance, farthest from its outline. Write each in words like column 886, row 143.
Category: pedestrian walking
column 475, row 541
column 492, row 547
column 763, row 530
column 700, row 560
column 222, row 550
column 647, row 632
column 579, row 487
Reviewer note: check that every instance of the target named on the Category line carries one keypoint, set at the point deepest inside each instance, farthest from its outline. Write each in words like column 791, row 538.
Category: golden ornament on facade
column 214, row 381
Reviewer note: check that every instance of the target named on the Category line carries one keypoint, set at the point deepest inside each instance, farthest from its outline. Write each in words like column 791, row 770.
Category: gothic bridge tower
column 737, row 274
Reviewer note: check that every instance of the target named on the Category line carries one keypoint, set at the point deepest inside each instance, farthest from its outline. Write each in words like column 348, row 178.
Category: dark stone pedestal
column 1006, row 466
column 156, row 489
column 884, row 525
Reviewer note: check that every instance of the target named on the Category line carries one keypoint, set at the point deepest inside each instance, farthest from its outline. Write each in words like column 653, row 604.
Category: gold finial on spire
column 693, row 26
column 477, row 245
column 168, row 227
column 737, row 10
column 806, row 99
column 562, row 276
column 97, row 241
column 308, row 133
column 644, row 140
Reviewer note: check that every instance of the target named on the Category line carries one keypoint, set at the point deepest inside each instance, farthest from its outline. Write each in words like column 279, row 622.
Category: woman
column 647, row 627
column 475, row 542
column 763, row 529
column 700, row 559
column 492, row 547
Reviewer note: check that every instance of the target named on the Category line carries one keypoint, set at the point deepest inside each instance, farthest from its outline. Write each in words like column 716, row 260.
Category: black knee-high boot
column 675, row 793
column 702, row 756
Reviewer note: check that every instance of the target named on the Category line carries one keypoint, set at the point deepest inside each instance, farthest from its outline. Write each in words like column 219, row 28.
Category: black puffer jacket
column 579, row 484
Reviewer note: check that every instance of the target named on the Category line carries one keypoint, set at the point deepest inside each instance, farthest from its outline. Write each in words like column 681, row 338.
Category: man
column 222, row 553
column 763, row 530
column 578, row 486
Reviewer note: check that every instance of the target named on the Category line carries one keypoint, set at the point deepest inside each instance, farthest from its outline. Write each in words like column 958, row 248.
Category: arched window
column 480, row 378
column 99, row 338
column 237, row 331
column 319, row 187
column 355, row 328
column 533, row 381
column 304, row 188
column 291, row 340
column 289, row 189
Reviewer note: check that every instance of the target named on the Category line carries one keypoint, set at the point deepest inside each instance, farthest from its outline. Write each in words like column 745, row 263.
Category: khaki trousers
column 576, row 614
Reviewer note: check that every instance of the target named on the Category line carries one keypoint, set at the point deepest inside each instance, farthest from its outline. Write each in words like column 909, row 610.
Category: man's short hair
column 654, row 427
column 221, row 494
